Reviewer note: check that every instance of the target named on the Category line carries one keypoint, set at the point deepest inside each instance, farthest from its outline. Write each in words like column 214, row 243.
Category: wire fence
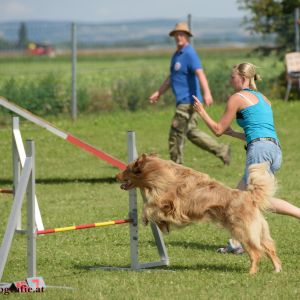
column 24, row 36
column 40, row 41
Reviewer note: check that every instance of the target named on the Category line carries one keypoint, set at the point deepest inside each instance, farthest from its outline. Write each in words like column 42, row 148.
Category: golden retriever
column 178, row 196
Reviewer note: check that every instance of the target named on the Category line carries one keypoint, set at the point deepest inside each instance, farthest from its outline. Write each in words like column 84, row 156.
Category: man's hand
column 208, row 99
column 154, row 97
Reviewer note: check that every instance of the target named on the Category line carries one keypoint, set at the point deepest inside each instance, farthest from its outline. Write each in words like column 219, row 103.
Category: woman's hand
column 239, row 135
column 198, row 107
column 229, row 131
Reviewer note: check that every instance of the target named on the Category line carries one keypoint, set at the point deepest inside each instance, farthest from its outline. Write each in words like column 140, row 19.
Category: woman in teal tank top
column 253, row 113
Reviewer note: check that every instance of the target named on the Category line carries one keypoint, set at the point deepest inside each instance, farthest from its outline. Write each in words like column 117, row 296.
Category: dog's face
column 131, row 176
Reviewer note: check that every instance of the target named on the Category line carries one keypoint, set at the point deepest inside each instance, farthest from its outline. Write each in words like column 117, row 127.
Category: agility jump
column 26, row 185
column 62, row 134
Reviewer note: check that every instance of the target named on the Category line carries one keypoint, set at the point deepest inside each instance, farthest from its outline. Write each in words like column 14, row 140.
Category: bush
column 133, row 93
column 42, row 96
column 218, row 79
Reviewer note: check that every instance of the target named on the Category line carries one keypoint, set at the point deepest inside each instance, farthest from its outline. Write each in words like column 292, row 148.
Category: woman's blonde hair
column 248, row 70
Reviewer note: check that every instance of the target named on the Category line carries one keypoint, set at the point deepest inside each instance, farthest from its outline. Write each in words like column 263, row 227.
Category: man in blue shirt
column 187, row 78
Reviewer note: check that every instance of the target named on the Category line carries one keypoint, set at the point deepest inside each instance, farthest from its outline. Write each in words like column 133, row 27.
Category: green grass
column 74, row 187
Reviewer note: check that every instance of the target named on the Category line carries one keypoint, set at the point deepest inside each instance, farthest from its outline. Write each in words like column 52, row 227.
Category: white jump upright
column 19, row 157
column 25, row 185
column 133, row 214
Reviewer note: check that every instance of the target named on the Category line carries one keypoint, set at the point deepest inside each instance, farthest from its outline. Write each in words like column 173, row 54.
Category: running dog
column 178, row 196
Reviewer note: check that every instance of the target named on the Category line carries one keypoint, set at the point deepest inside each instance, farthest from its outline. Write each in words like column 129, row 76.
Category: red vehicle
column 40, row 49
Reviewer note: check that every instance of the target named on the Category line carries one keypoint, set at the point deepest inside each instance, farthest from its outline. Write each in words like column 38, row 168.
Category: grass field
column 74, row 187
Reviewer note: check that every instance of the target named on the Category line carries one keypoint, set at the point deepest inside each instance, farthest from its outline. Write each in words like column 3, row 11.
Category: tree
column 272, row 18
column 23, row 38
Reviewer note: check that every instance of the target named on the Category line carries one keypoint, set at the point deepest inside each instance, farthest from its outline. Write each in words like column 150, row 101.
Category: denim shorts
column 263, row 151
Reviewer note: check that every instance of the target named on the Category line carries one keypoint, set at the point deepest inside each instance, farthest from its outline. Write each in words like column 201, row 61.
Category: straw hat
column 182, row 26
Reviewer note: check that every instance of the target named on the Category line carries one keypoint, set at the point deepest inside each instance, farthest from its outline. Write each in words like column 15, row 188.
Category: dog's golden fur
column 178, row 196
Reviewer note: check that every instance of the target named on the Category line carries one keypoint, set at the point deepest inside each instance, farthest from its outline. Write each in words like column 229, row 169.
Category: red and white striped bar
column 60, row 133
column 83, row 226
column 6, row 191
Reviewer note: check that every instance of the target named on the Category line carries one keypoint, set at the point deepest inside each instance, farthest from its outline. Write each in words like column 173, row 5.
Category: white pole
column 16, row 165
column 19, row 155
column 31, row 227
column 133, row 214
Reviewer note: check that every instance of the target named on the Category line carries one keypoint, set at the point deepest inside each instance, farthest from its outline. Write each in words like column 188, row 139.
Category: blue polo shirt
column 184, row 81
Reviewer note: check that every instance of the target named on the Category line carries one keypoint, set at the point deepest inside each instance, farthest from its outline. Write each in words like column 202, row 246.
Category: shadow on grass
column 181, row 244
column 208, row 267
column 101, row 267
column 65, row 180
column 192, row 245
column 187, row 245
column 172, row 268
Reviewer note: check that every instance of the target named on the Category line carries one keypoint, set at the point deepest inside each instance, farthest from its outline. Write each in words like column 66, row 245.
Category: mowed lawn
column 74, row 187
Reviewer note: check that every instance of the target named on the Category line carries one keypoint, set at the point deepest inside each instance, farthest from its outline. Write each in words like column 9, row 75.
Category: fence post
column 190, row 28
column 74, row 71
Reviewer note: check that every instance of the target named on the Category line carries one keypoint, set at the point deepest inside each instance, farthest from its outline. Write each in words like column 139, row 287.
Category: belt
column 276, row 142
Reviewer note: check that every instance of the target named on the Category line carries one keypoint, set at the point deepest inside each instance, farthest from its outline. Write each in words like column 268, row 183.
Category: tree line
column 22, row 41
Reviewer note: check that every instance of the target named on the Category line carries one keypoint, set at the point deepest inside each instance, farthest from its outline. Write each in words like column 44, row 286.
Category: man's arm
column 155, row 96
column 205, row 87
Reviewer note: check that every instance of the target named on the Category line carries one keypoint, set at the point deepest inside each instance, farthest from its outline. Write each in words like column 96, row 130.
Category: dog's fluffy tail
column 261, row 184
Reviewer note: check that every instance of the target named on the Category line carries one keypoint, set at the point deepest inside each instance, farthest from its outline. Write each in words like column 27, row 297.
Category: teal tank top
column 257, row 120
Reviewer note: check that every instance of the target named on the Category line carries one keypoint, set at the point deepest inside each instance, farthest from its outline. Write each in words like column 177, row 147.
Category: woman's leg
column 279, row 206
column 285, row 208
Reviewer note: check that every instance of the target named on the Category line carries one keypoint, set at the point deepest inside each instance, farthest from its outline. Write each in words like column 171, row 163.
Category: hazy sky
column 115, row 10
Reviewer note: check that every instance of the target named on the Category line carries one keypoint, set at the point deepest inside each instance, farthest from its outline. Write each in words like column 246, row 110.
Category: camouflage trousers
column 184, row 124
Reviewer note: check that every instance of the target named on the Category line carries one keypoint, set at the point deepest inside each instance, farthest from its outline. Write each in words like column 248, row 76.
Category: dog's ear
column 139, row 163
